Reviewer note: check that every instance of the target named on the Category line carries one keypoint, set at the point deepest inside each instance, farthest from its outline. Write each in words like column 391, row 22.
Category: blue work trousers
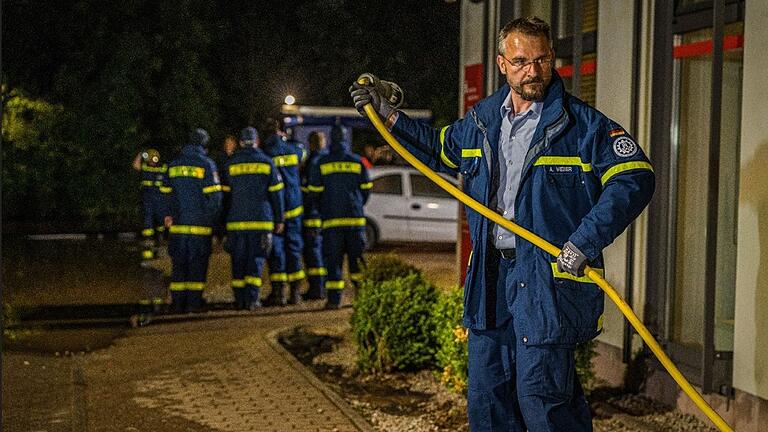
column 249, row 251
column 189, row 258
column 285, row 259
column 152, row 210
column 313, row 262
column 518, row 387
column 338, row 242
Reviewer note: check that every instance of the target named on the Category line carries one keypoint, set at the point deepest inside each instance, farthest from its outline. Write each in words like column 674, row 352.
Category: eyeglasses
column 519, row 64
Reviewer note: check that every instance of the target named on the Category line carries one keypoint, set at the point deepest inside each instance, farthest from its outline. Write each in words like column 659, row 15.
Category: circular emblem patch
column 624, row 147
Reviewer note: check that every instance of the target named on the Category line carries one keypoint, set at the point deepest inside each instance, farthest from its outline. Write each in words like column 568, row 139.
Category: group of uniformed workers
column 283, row 206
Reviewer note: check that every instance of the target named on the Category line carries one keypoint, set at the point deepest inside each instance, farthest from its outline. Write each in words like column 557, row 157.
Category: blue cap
column 249, row 134
column 199, row 137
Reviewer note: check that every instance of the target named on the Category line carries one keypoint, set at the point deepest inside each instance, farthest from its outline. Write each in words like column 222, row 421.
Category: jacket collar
column 193, row 149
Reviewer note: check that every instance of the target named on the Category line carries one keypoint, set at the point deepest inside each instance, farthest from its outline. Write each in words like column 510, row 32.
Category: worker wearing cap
column 255, row 191
column 195, row 202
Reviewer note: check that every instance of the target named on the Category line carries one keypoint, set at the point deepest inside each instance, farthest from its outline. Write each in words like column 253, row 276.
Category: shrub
column 385, row 267
column 452, row 355
column 585, row 352
column 392, row 322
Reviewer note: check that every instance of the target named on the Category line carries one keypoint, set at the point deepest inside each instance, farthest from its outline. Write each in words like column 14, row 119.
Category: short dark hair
column 529, row 26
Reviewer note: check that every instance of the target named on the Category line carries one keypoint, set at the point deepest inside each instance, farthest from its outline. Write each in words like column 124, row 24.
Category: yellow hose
column 554, row 251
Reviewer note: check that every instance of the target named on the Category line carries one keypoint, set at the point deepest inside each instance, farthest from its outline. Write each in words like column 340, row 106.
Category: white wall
column 614, row 91
column 750, row 362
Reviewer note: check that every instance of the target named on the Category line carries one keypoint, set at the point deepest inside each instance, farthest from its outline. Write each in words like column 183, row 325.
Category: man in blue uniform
column 285, row 259
column 312, row 225
column 561, row 169
column 195, row 202
column 153, row 202
column 255, row 189
column 339, row 186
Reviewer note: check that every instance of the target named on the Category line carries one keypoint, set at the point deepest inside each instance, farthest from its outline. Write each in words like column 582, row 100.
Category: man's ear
column 502, row 64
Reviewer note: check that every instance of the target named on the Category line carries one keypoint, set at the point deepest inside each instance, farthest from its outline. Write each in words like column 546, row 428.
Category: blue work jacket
column 584, row 180
column 312, row 217
column 152, row 179
column 287, row 157
column 255, row 189
column 195, row 192
column 339, row 187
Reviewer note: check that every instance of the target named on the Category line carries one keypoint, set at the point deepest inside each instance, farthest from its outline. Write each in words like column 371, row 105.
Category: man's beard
column 535, row 93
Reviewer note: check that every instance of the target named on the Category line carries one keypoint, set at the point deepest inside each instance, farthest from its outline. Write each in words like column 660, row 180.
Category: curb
column 360, row 423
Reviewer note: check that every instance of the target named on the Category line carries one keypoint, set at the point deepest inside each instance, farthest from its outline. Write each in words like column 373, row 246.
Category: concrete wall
column 614, row 91
column 750, row 363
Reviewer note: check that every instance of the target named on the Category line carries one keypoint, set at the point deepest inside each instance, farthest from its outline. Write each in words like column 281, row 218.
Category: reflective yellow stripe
column 304, row 189
column 147, row 254
column 317, row 271
column 344, row 222
column 253, row 280
column 583, row 279
column 212, row 189
column 147, row 183
column 563, row 160
column 276, row 187
column 315, row 188
column 166, row 189
column 626, row 166
column 600, row 322
column 178, row 286
column 250, row 225
column 299, row 275
column 186, row 171
column 147, row 232
column 190, row 229
column 468, row 153
column 292, row 213
column 144, row 302
column 469, row 260
column 195, row 286
column 238, row 283
column 249, row 168
column 286, row 160
column 340, row 168
column 443, row 156
column 366, row 186
column 356, row 277
column 160, row 169
column 278, row 277
column 160, row 229
column 226, row 188
column 337, row 285
column 312, row 223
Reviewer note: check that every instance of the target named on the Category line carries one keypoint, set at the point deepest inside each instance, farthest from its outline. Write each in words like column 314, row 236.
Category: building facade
column 685, row 77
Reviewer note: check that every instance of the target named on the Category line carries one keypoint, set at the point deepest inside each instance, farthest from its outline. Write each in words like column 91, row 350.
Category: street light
column 290, row 100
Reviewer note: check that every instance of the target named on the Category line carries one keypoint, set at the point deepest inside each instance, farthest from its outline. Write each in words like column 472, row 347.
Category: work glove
column 571, row 260
column 384, row 96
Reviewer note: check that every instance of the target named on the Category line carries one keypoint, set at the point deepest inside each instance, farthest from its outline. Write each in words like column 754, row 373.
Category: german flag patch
column 616, row 132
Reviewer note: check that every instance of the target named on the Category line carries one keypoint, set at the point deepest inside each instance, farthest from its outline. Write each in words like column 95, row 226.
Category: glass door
column 689, row 197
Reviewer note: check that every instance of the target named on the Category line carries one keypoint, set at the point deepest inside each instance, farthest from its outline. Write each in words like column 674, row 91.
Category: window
column 421, row 186
column 389, row 184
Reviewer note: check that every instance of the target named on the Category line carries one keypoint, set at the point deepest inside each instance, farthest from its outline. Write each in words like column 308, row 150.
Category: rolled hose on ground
column 554, row 251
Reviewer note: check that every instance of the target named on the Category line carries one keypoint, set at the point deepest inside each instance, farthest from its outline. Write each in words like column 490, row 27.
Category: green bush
column 452, row 356
column 392, row 322
column 585, row 352
column 385, row 267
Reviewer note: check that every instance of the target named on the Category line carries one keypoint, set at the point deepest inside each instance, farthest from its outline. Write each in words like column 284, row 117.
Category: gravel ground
column 417, row 402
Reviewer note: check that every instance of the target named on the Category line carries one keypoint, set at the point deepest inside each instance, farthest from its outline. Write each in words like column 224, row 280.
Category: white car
column 407, row 206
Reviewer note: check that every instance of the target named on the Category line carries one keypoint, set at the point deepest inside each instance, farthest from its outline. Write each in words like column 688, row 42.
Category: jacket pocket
column 579, row 301
column 471, row 158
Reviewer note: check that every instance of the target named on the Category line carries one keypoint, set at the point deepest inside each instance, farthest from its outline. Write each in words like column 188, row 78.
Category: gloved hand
column 571, row 260
column 385, row 96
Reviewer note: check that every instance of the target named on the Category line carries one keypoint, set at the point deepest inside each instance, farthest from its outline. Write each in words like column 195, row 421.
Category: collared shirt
column 514, row 140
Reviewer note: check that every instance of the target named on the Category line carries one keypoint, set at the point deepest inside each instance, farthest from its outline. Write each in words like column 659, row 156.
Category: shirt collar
column 507, row 110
